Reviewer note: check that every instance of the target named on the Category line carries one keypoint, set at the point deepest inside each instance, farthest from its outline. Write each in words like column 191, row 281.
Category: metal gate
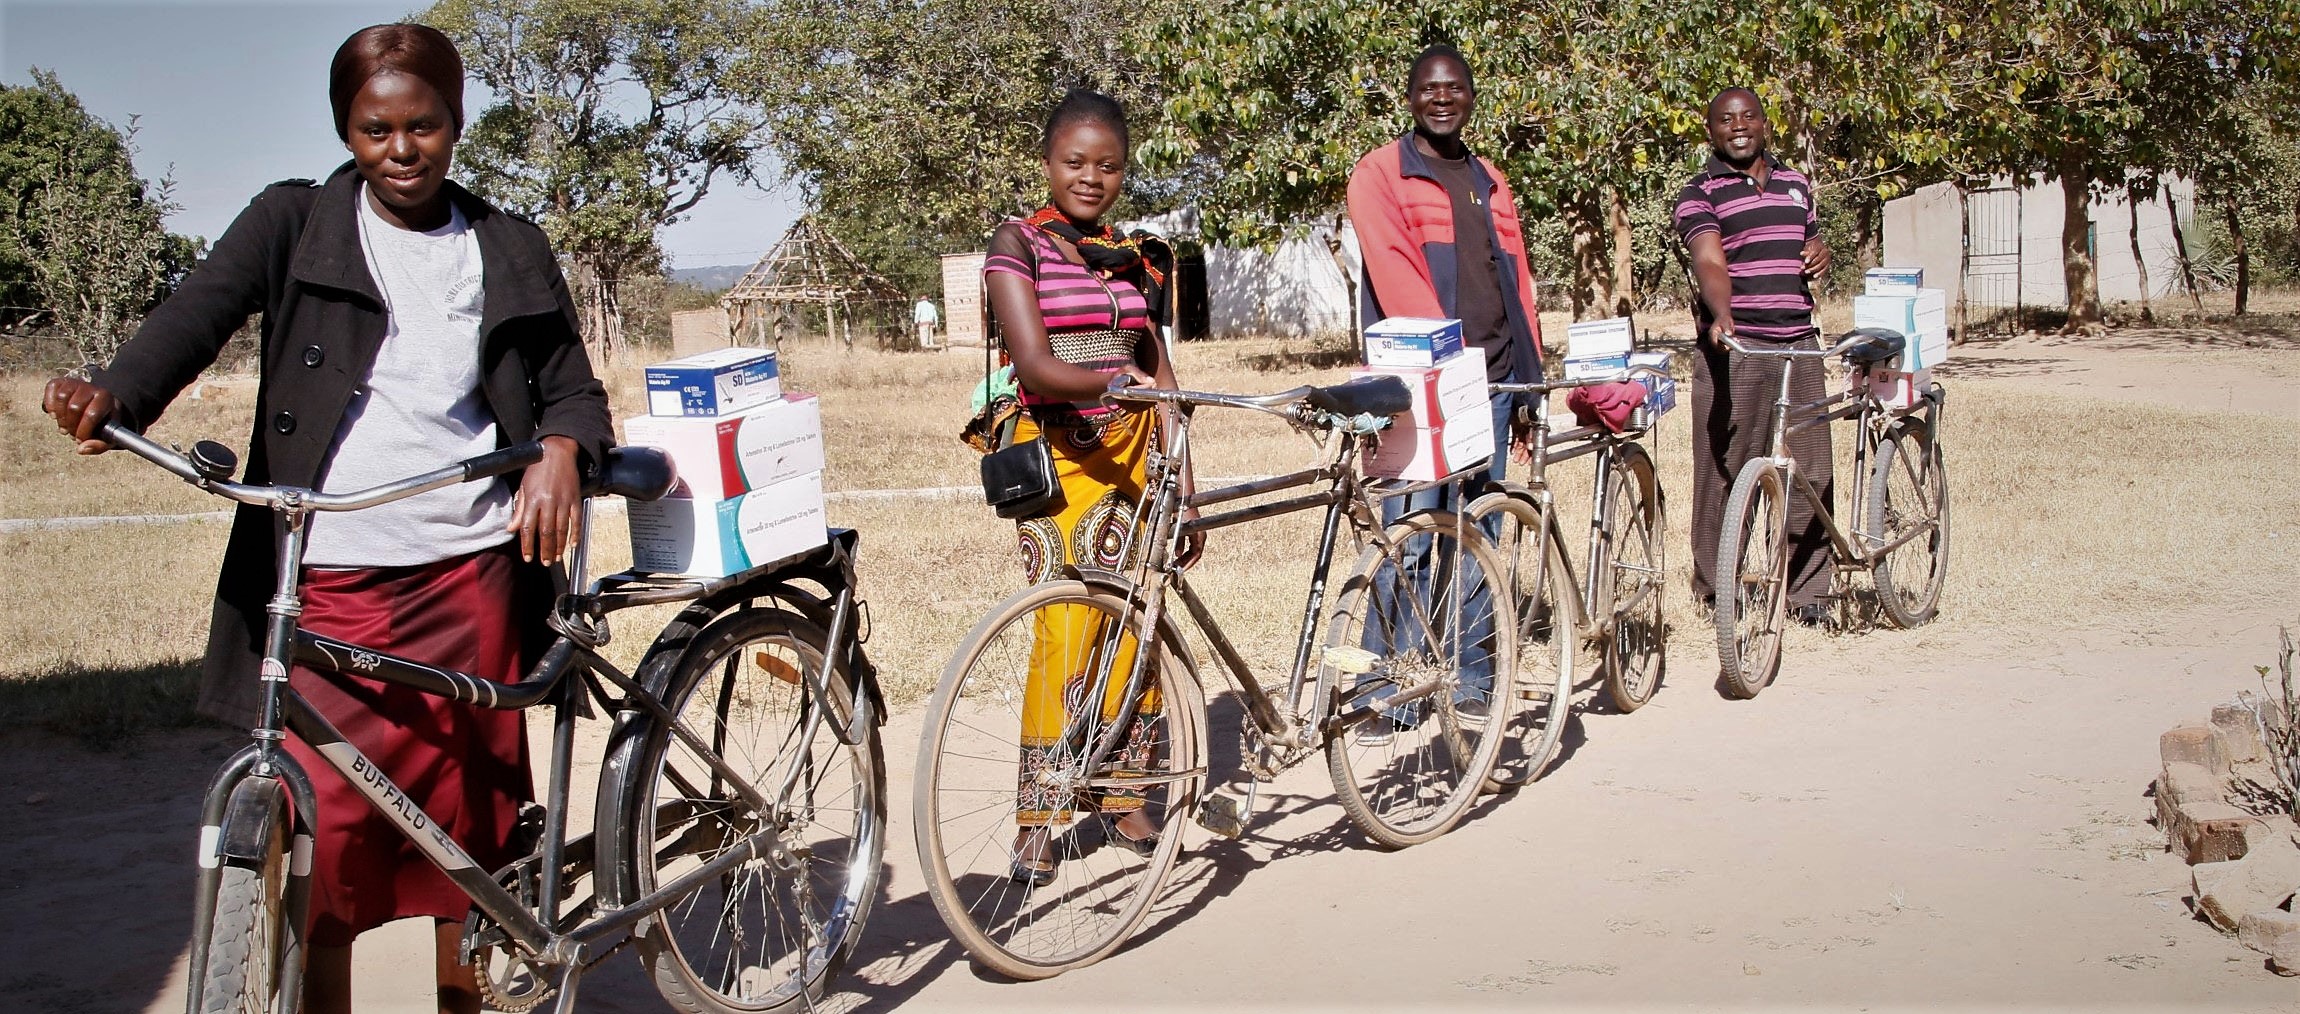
column 1990, row 295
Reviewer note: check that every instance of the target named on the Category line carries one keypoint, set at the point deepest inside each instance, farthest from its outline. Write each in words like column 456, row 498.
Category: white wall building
column 1301, row 287
column 2015, row 242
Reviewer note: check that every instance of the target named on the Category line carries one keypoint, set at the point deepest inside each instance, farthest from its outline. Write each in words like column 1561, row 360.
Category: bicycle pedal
column 1222, row 814
column 1534, row 693
column 1352, row 660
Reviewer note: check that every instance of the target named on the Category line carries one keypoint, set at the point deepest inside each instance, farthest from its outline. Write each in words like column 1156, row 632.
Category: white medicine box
column 720, row 457
column 715, row 383
column 1412, row 341
column 705, row 537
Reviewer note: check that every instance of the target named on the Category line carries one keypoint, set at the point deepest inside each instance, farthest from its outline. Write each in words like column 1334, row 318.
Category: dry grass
column 2069, row 514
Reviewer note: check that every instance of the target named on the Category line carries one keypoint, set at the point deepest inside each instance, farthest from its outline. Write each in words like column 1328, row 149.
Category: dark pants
column 1391, row 622
column 1732, row 423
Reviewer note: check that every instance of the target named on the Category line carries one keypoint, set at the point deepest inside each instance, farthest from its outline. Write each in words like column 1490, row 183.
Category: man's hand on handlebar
column 80, row 409
column 545, row 514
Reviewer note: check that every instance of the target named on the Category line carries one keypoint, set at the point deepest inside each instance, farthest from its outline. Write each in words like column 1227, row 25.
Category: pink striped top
column 1076, row 306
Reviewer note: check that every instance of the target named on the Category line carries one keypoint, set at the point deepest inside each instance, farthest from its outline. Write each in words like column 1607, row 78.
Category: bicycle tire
column 1752, row 602
column 1632, row 581
column 968, row 803
column 1545, row 653
column 1448, row 766
column 745, row 672
column 1910, row 578
column 249, row 940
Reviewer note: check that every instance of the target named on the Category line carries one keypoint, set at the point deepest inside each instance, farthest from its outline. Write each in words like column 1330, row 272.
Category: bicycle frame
column 1551, row 448
column 241, row 801
column 1873, row 419
column 1344, row 494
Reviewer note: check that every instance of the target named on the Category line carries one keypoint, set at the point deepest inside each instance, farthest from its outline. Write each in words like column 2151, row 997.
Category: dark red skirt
column 465, row 766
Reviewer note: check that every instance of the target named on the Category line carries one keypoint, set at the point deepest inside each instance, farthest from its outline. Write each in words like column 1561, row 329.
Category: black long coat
column 294, row 256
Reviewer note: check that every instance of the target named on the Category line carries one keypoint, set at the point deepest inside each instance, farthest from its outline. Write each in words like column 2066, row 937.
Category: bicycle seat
column 634, row 473
column 1376, row 396
column 1878, row 345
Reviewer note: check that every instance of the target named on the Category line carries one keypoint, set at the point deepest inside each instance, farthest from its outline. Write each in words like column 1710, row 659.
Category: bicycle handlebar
column 1843, row 346
column 1122, row 388
column 485, row 466
column 1545, row 387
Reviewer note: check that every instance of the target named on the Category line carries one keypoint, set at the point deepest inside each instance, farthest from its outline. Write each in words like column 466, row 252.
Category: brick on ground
column 2276, row 934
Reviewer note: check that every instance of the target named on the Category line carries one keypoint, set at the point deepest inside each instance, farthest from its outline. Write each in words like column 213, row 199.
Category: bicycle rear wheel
column 1753, row 574
column 1545, row 636
column 772, row 932
column 1428, row 612
column 251, row 946
column 1630, row 581
column 980, row 783
column 1909, row 495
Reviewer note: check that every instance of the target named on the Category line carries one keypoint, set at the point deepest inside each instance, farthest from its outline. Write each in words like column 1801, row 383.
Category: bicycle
column 1901, row 512
column 740, row 807
column 1402, row 645
column 1613, row 605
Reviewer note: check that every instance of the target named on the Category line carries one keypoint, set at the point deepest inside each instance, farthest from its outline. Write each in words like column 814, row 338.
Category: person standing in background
column 924, row 317
column 1750, row 224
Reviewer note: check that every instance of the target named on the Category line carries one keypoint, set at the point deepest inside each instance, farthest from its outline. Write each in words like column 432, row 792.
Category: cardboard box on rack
column 1609, row 337
column 1893, row 281
column 1898, row 389
column 715, row 383
column 1412, row 342
column 1449, row 426
column 720, row 457
column 1587, row 367
column 707, row 537
column 1922, row 319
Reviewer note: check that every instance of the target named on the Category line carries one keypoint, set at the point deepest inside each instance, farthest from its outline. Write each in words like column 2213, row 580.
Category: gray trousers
column 1732, row 423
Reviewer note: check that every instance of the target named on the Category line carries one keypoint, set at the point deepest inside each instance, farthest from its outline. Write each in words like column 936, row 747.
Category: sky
column 229, row 97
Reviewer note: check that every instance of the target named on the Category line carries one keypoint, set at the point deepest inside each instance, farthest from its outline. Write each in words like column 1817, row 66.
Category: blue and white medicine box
column 707, row 537
column 1660, row 392
column 1892, row 281
column 1588, row 367
column 1609, row 337
column 1922, row 318
column 714, row 383
column 1412, row 342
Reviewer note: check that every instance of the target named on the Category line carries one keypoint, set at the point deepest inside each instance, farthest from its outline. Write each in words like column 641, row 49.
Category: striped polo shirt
column 1076, row 306
column 1764, row 230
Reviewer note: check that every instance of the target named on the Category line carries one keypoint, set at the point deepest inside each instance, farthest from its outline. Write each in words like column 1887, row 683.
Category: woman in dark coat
column 406, row 325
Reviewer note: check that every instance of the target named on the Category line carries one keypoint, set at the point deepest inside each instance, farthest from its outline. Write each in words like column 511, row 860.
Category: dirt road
column 1907, row 819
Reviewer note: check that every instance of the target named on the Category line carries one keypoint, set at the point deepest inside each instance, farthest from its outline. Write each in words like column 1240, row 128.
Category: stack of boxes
column 1896, row 299
column 1601, row 348
column 750, row 466
column 1449, row 429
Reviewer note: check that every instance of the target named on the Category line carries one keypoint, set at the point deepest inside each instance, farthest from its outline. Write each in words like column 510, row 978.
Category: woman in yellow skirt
column 1074, row 302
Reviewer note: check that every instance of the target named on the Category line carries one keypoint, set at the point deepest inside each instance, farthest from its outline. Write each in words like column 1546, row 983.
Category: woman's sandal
column 1034, row 872
column 1145, row 846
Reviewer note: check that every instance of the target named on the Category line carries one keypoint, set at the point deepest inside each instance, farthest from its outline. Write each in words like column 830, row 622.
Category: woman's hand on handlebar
column 81, row 409
column 1131, row 376
column 550, row 494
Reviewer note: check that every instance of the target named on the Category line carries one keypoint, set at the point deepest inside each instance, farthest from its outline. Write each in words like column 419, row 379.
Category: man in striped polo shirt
column 1749, row 222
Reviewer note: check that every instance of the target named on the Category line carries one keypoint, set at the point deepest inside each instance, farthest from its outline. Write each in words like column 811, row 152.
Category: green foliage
column 613, row 118
column 913, row 128
column 83, row 248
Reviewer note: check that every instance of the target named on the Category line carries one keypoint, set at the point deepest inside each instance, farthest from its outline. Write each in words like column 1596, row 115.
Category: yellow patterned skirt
column 1101, row 467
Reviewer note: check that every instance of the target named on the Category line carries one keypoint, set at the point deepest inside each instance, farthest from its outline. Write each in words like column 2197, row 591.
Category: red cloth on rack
column 1608, row 405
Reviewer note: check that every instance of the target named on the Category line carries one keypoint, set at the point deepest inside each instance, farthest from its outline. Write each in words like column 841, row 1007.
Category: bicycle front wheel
column 1021, row 843
column 250, row 944
column 1546, row 638
column 1753, row 574
column 1424, row 622
column 771, row 932
column 1909, row 499
column 1631, row 580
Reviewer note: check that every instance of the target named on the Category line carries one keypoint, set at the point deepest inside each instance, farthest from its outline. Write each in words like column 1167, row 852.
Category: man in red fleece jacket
column 1438, row 233
column 1438, row 236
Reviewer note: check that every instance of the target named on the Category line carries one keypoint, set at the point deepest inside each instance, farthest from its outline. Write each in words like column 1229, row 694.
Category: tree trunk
column 2139, row 263
column 2077, row 268
column 1869, row 233
column 2180, row 249
column 1624, row 260
column 2243, row 256
column 1592, row 272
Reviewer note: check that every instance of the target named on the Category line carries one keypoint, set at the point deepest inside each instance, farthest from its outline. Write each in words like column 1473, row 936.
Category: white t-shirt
column 420, row 409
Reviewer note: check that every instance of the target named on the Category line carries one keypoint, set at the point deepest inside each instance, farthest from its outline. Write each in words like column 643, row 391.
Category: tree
column 913, row 128
column 83, row 248
column 612, row 119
